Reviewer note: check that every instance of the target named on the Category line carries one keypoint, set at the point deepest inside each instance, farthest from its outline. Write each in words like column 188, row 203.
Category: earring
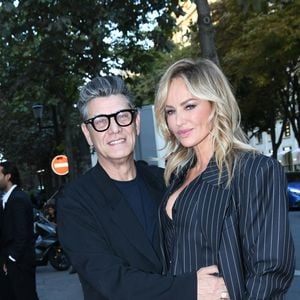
column 92, row 149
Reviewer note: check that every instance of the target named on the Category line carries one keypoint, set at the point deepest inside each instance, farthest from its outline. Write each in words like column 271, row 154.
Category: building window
column 287, row 149
column 259, row 138
column 287, row 131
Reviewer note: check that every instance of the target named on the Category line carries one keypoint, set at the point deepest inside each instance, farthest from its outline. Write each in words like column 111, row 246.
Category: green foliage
column 49, row 48
column 145, row 84
column 257, row 51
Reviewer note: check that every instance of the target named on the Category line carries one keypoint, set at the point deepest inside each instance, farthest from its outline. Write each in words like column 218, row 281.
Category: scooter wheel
column 59, row 259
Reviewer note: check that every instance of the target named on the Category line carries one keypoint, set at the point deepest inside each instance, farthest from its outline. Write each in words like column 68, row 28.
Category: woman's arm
column 268, row 249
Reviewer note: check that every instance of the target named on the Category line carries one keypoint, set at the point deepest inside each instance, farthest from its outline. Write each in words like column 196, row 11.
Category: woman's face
column 187, row 116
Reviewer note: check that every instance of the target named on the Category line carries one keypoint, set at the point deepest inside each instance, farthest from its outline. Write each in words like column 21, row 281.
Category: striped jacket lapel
column 216, row 203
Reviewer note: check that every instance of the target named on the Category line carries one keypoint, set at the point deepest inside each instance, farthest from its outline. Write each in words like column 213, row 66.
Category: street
column 55, row 285
column 294, row 291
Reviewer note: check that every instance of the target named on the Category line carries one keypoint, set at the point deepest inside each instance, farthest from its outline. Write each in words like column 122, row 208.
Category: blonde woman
column 226, row 205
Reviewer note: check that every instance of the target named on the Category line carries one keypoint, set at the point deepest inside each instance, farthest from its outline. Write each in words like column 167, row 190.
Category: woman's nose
column 180, row 119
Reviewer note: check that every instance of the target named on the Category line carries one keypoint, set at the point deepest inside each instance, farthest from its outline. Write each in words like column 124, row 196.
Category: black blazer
column 107, row 245
column 17, row 238
column 244, row 228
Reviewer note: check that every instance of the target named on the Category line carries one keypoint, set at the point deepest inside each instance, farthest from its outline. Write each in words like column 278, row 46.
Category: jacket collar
column 6, row 195
column 210, row 175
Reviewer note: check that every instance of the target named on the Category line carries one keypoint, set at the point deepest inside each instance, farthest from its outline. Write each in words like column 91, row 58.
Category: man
column 17, row 271
column 107, row 219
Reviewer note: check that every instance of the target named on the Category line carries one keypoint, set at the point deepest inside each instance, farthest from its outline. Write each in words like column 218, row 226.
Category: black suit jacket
column 107, row 245
column 17, row 237
column 244, row 228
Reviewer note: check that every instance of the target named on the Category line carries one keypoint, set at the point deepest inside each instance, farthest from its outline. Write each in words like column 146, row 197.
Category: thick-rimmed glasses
column 123, row 118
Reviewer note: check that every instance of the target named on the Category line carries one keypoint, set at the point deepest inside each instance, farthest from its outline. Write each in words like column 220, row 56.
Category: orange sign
column 60, row 165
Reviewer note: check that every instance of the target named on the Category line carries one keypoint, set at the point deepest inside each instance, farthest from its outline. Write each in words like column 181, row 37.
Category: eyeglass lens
column 123, row 118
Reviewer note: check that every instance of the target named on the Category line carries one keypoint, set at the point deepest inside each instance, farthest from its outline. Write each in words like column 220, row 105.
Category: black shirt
column 139, row 199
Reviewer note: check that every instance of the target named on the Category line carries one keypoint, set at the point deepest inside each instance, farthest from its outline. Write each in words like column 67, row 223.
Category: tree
column 257, row 50
column 49, row 48
column 206, row 31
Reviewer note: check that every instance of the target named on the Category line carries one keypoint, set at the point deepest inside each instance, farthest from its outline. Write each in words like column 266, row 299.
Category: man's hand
column 209, row 285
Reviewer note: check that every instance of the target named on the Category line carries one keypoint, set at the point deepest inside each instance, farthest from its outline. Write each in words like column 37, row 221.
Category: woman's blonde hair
column 206, row 81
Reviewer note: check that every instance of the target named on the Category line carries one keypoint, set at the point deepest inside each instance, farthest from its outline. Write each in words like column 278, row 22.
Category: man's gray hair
column 102, row 86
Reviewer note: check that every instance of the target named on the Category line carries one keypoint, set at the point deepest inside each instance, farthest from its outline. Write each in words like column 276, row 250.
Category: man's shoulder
column 76, row 187
column 19, row 193
column 152, row 169
column 151, row 173
column 20, row 197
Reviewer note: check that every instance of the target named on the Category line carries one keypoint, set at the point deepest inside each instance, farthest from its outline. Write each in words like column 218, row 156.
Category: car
column 293, row 179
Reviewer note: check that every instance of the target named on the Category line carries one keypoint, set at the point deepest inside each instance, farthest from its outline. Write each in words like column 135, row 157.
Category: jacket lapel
column 216, row 205
column 9, row 200
column 216, row 199
column 122, row 215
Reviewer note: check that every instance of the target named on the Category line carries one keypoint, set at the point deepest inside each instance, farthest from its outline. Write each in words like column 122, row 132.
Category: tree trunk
column 206, row 31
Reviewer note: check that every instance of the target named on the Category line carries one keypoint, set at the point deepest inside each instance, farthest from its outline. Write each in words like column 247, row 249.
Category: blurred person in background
column 17, row 255
column 50, row 212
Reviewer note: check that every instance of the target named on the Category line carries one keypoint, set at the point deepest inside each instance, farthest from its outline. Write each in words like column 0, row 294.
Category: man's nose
column 114, row 127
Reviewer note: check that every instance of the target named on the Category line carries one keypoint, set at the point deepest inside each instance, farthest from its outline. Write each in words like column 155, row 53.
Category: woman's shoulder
column 247, row 160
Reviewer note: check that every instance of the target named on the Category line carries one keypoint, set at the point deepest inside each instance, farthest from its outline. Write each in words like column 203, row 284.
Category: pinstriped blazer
column 244, row 228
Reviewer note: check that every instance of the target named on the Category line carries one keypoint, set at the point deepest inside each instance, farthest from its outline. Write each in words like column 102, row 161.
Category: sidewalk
column 57, row 285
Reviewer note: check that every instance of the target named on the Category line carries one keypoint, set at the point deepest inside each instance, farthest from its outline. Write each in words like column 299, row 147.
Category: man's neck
column 8, row 187
column 119, row 170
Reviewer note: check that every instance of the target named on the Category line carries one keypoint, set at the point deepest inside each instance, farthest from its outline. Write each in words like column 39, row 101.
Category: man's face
column 3, row 180
column 115, row 144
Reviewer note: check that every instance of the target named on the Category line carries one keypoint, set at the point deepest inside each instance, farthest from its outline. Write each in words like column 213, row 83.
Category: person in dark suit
column 226, row 204
column 17, row 256
column 107, row 218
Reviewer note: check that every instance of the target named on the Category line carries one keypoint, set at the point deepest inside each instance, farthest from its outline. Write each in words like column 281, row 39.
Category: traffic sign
column 60, row 165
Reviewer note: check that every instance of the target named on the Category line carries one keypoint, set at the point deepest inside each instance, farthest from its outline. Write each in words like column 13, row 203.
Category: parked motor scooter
column 47, row 246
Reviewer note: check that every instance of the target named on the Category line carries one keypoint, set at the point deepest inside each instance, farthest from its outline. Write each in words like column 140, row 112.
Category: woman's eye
column 169, row 112
column 190, row 106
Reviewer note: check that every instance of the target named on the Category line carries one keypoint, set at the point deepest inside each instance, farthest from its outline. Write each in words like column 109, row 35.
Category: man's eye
column 123, row 116
column 100, row 121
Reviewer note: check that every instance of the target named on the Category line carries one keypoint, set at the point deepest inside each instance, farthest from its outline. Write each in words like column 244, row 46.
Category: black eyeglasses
column 123, row 118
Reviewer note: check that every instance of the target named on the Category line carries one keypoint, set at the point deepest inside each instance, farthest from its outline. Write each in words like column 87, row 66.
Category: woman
column 226, row 204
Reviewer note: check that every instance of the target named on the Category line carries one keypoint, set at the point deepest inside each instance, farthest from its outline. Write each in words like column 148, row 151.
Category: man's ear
column 7, row 176
column 137, row 123
column 86, row 133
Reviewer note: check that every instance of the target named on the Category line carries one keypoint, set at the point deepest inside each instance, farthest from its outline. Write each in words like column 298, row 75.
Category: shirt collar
column 7, row 194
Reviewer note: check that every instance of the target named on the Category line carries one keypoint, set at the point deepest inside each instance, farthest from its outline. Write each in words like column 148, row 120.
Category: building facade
column 288, row 153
